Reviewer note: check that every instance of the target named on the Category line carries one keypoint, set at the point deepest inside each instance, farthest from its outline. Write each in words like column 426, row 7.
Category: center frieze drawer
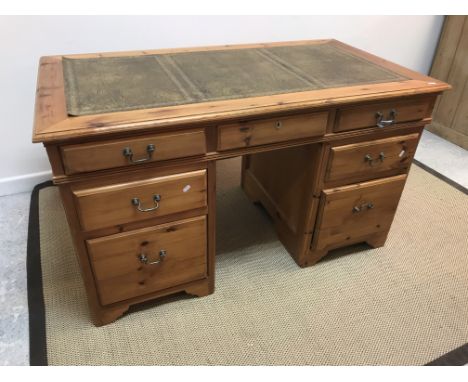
column 115, row 204
column 135, row 263
column 259, row 132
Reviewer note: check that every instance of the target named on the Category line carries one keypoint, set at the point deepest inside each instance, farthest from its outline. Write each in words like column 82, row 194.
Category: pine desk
column 327, row 134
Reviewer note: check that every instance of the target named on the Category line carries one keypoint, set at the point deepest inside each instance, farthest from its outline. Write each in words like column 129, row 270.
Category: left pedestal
column 142, row 234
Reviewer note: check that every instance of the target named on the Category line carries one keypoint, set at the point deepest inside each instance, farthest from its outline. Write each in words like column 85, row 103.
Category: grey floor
column 444, row 157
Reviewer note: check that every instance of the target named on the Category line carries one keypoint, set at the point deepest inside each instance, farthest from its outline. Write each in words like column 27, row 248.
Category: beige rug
column 403, row 304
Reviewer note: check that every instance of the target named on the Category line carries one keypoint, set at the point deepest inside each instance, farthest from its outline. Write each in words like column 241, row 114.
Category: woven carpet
column 403, row 304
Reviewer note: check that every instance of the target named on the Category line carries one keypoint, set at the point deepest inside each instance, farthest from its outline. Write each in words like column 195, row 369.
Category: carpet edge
column 456, row 357
column 440, row 176
column 36, row 306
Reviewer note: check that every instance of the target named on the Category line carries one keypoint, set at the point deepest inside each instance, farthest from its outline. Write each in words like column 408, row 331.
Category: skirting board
column 23, row 183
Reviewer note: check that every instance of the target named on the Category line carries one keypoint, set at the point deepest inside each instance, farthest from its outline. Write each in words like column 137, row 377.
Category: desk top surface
column 109, row 84
column 102, row 93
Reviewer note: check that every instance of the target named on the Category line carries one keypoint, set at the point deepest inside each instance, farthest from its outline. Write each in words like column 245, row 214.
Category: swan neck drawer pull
column 368, row 158
column 386, row 122
column 137, row 203
column 363, row 207
column 128, row 153
column 144, row 259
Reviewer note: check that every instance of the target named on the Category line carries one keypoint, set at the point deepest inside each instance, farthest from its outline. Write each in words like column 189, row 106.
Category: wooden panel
column 460, row 120
column 109, row 154
column 447, row 47
column 285, row 176
column 121, row 275
column 365, row 116
column 111, row 205
column 367, row 160
column 254, row 133
column 284, row 182
column 449, row 134
column 457, row 77
column 340, row 223
column 451, row 112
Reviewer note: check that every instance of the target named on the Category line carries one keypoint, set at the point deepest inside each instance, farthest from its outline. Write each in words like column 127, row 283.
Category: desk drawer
column 382, row 114
column 367, row 160
column 147, row 260
column 132, row 152
column 349, row 214
column 115, row 204
column 254, row 133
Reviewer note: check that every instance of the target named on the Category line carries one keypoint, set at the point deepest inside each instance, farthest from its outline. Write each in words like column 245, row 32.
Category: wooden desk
column 327, row 134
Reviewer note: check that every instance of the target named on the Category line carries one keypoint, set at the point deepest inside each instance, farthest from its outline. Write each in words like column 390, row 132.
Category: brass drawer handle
column 144, row 259
column 368, row 158
column 128, row 153
column 137, row 203
column 386, row 122
column 363, row 207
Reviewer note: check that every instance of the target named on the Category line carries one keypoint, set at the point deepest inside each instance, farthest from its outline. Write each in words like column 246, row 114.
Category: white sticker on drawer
column 186, row 188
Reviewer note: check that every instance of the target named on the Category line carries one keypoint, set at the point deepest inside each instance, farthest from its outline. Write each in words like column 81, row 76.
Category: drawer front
column 280, row 129
column 368, row 160
column 132, row 152
column 382, row 114
column 148, row 260
column 350, row 213
column 116, row 204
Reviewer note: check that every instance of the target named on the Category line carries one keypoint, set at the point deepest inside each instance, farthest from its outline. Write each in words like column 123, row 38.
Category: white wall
column 407, row 40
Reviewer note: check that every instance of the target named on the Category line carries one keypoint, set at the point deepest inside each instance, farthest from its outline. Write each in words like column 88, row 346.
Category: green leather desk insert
column 110, row 84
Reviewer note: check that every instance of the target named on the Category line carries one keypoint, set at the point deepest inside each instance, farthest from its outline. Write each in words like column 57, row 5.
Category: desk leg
column 378, row 240
column 201, row 289
column 314, row 257
column 375, row 241
column 211, row 169
column 205, row 288
column 104, row 316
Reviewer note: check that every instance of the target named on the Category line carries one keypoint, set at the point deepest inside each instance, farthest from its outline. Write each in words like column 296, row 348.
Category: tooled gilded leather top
column 110, row 84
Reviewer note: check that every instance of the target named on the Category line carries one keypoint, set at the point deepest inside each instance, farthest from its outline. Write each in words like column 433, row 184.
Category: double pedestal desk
column 327, row 134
